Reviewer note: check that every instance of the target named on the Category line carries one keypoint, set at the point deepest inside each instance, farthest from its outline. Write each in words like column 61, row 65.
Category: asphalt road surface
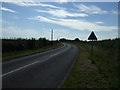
column 42, row 70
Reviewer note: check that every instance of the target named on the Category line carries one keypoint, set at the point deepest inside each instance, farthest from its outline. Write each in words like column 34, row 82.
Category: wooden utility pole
column 52, row 37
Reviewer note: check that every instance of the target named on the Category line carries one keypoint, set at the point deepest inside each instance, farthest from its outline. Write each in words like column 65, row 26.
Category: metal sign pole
column 92, row 50
column 92, row 37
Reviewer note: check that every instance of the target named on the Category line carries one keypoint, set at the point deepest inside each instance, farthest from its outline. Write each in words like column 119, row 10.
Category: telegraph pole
column 52, row 37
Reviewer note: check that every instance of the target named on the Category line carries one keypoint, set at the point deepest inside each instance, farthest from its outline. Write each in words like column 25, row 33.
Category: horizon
column 69, row 20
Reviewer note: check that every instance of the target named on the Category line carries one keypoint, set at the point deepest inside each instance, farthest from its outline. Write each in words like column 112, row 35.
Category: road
column 42, row 70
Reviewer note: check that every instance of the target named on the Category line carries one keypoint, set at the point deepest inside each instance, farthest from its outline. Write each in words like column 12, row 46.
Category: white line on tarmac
column 27, row 65
column 19, row 68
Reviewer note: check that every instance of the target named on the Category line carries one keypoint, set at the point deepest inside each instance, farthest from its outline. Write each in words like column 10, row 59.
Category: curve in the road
column 42, row 70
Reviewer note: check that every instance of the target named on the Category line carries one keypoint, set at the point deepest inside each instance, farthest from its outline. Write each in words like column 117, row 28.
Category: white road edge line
column 27, row 65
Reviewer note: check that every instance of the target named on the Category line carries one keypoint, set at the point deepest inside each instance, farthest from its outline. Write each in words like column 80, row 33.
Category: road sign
column 92, row 36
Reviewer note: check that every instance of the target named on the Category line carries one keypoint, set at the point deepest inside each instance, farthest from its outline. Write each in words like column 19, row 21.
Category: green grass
column 84, row 74
column 107, row 64
column 17, row 54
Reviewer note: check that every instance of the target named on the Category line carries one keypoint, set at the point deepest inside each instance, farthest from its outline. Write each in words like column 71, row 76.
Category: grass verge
column 84, row 74
column 17, row 54
column 107, row 61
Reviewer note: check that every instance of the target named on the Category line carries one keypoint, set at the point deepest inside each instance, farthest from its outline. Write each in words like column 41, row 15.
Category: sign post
column 92, row 37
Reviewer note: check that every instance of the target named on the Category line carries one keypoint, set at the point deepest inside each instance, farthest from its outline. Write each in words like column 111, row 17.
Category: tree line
column 108, row 43
column 19, row 44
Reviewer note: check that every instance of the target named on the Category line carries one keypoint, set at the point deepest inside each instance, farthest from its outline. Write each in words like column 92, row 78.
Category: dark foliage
column 62, row 40
column 108, row 60
column 107, row 44
column 77, row 39
column 19, row 44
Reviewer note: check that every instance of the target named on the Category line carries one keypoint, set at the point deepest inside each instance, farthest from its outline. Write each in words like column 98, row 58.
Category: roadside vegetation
column 18, row 47
column 106, row 58
column 99, row 71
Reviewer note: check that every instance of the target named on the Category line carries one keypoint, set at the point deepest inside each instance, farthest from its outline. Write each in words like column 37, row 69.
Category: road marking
column 28, row 65
column 19, row 68
column 54, row 54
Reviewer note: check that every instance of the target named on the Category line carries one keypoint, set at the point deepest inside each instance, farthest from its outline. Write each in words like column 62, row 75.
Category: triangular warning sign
column 92, row 36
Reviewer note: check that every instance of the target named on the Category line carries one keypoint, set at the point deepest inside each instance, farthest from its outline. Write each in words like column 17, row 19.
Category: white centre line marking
column 19, row 68
column 28, row 65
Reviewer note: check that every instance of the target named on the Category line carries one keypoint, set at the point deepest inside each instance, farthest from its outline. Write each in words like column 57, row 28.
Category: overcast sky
column 68, row 19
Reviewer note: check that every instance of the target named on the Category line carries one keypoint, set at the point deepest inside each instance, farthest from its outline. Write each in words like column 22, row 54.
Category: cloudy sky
column 68, row 20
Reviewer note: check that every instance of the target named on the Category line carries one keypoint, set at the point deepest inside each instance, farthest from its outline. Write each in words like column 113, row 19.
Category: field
column 106, row 58
column 14, row 48
column 99, row 71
